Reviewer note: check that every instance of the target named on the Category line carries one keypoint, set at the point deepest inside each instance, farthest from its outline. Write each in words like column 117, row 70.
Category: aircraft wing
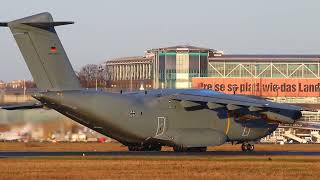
column 229, row 101
column 195, row 100
column 218, row 100
column 22, row 106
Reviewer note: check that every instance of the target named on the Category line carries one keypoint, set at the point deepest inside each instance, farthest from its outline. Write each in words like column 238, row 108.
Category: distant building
column 17, row 84
column 286, row 78
column 282, row 76
column 2, row 85
column 130, row 72
column 167, row 67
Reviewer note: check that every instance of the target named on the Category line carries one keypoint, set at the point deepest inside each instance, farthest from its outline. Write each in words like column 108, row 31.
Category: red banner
column 268, row 87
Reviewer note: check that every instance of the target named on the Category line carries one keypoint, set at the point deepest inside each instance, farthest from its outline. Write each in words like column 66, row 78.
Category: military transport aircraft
column 186, row 119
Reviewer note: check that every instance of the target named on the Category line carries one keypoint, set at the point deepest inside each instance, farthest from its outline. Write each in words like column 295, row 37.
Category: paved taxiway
column 122, row 153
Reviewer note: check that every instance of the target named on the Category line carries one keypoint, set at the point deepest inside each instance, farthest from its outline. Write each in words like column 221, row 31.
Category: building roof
column 266, row 57
column 181, row 47
column 129, row 60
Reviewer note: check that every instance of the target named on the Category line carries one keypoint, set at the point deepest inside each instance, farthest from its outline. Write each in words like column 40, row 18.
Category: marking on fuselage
column 228, row 123
column 22, row 33
column 161, row 126
column 246, row 132
column 132, row 113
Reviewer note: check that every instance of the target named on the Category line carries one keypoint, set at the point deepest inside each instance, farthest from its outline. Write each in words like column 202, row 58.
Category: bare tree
column 92, row 75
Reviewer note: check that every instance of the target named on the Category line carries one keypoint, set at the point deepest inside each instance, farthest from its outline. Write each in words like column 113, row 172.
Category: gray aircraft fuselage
column 133, row 118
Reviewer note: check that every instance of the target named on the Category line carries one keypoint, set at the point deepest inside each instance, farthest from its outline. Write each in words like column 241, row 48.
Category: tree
column 91, row 74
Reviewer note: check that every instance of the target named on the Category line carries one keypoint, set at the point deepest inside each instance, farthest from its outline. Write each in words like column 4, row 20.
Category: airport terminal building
column 289, row 78
column 282, row 78
column 169, row 67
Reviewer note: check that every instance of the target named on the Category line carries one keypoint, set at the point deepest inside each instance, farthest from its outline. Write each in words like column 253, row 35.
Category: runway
column 9, row 154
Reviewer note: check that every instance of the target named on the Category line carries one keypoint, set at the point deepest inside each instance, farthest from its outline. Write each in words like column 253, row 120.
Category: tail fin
column 43, row 52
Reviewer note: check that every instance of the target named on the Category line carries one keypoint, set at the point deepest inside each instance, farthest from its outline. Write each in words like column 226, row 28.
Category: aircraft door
column 161, row 126
column 246, row 131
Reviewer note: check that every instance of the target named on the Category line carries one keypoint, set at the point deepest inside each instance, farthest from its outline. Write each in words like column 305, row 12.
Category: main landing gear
column 145, row 148
column 246, row 147
column 191, row 149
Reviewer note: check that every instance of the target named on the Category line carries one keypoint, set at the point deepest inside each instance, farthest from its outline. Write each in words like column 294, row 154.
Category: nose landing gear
column 246, row 147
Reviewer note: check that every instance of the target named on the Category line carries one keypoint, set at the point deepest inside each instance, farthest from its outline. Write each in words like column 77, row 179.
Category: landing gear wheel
column 132, row 148
column 191, row 149
column 145, row 148
column 178, row 149
column 202, row 149
column 152, row 148
column 246, row 147
column 157, row 148
column 250, row 147
column 197, row 149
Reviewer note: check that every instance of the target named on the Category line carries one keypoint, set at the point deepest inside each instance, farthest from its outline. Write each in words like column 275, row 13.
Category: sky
column 109, row 29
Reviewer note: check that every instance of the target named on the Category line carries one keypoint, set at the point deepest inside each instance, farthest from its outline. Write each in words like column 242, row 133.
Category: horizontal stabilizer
column 41, row 24
column 48, row 24
column 3, row 24
column 22, row 106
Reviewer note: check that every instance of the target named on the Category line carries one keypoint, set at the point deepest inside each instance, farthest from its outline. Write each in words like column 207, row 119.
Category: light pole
column 24, row 90
column 131, row 78
column 96, row 84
